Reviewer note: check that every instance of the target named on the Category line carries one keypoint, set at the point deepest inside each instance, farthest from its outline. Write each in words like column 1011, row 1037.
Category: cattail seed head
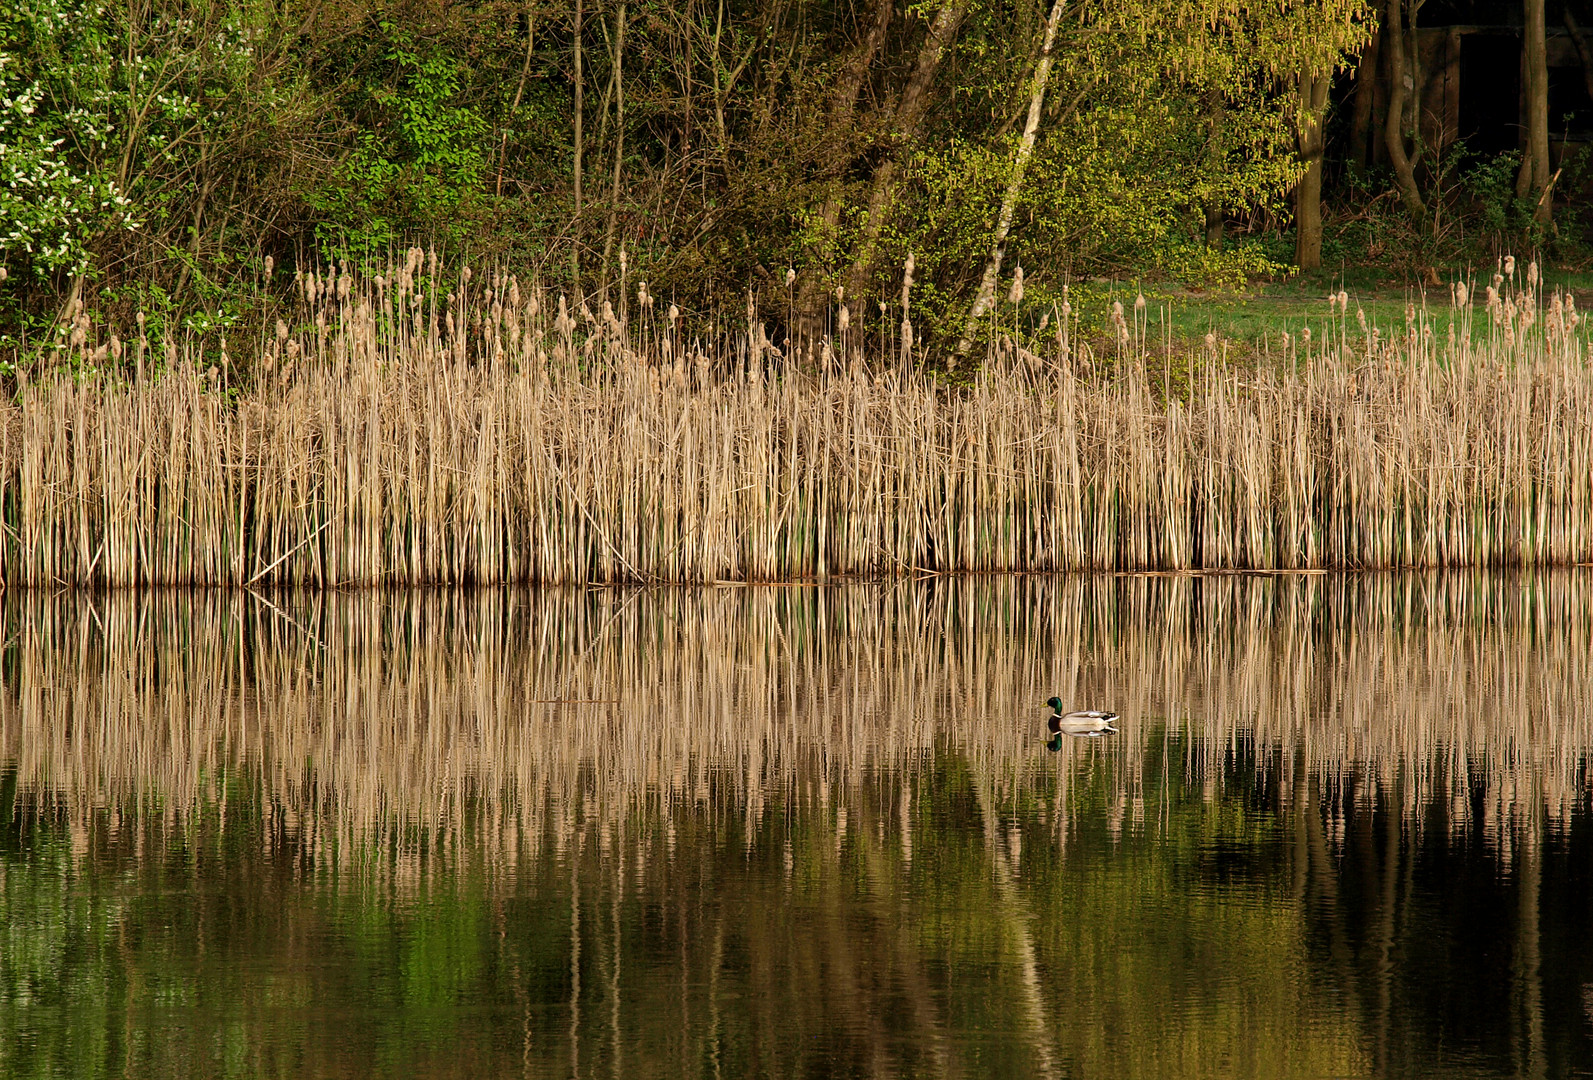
column 270, row 267
column 1510, row 265
column 790, row 277
column 1139, row 304
column 1462, row 295
column 844, row 320
column 1015, row 294
column 1532, row 274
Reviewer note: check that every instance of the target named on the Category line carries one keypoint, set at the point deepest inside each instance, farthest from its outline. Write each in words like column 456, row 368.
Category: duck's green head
column 1055, row 704
column 1055, row 743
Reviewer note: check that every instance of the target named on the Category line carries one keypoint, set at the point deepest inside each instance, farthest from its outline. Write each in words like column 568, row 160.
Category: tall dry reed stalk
column 494, row 436
column 383, row 729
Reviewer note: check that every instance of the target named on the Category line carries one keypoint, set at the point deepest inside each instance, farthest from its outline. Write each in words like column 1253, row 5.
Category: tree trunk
column 1009, row 202
column 909, row 119
column 1366, row 73
column 1215, row 221
column 519, row 91
column 1532, row 182
column 580, row 92
column 1313, row 93
column 812, row 291
column 1215, row 127
column 1583, row 52
column 580, row 117
column 1400, row 84
column 619, row 140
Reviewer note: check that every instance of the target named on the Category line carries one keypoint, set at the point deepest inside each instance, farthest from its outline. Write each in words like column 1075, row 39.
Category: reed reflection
column 802, row 830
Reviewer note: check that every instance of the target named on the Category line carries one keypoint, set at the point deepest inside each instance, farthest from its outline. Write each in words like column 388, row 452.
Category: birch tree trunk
column 1009, row 203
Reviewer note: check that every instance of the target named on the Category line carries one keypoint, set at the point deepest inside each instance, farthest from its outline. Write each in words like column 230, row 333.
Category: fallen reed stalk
column 395, row 439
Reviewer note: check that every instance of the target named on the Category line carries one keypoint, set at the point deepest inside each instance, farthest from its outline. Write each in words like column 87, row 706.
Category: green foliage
column 1155, row 113
column 56, row 102
column 180, row 143
column 418, row 157
column 157, row 144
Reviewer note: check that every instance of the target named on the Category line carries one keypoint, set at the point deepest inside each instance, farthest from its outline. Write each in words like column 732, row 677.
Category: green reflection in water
column 816, row 944
column 412, row 836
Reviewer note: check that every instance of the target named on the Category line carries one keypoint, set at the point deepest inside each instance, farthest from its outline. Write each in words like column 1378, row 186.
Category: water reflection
column 1343, row 830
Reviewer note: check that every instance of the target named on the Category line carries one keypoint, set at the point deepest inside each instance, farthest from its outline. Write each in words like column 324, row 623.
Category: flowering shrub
column 52, row 199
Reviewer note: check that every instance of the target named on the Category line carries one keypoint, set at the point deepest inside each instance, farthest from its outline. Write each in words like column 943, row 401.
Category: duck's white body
column 1084, row 723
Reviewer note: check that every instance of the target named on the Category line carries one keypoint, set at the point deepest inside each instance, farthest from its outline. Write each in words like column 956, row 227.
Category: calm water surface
column 1345, row 831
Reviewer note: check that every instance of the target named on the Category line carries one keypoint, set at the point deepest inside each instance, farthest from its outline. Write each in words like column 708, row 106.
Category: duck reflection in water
column 1080, row 724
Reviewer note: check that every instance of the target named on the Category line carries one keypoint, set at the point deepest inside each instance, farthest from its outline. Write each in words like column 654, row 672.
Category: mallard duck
column 1082, row 723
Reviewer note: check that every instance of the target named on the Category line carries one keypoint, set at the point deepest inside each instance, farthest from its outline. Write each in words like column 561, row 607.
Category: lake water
column 1344, row 831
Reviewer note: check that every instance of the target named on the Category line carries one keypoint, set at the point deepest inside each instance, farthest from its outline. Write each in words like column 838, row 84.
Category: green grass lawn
column 1252, row 320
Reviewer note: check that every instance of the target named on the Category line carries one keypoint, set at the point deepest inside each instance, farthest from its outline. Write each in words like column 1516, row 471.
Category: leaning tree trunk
column 840, row 133
column 1394, row 127
column 1308, row 133
column 1532, row 182
column 1009, row 202
column 909, row 119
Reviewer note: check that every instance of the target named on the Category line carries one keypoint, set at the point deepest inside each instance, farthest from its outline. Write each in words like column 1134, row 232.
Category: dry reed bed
column 394, row 727
column 392, row 440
